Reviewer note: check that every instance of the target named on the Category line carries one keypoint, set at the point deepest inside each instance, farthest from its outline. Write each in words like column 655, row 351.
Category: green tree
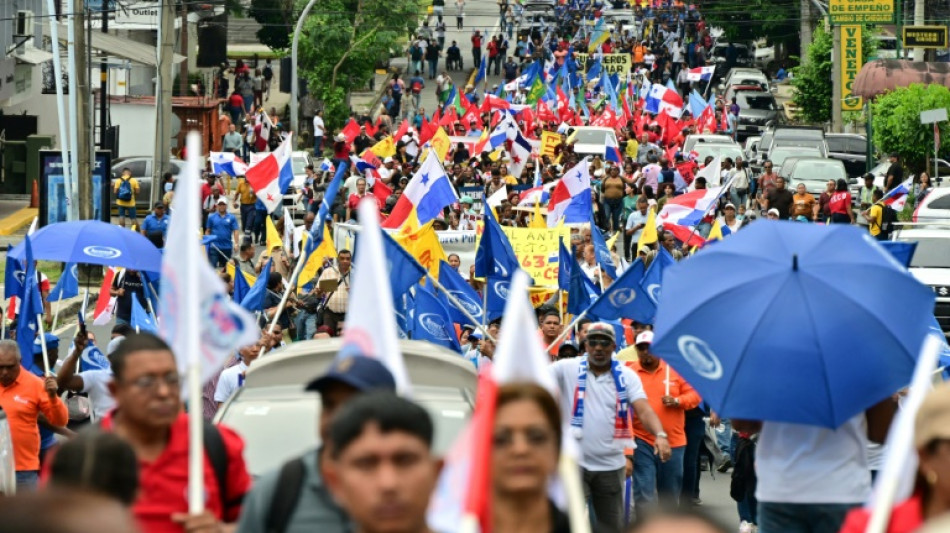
column 896, row 119
column 277, row 19
column 748, row 20
column 812, row 81
column 341, row 43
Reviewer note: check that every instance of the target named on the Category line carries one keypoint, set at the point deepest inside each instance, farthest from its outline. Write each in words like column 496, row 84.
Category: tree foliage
column 813, row 80
column 895, row 117
column 277, row 19
column 748, row 20
column 341, row 42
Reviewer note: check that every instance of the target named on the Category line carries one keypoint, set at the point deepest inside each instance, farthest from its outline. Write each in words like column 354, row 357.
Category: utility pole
column 805, row 14
column 183, row 73
column 104, row 86
column 919, row 19
column 163, row 97
column 83, row 158
column 837, row 89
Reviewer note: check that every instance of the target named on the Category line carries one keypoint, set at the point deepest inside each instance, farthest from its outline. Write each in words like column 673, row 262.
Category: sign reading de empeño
column 861, row 11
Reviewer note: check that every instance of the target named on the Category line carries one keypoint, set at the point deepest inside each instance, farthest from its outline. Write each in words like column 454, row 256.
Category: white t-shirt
column 231, row 379
column 599, row 451
column 95, row 383
column 318, row 127
column 808, row 464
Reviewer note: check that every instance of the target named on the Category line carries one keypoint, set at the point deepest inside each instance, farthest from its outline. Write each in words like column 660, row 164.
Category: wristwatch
column 661, row 435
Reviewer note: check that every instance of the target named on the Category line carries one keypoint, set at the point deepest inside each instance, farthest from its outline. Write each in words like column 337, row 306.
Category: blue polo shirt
column 223, row 228
column 152, row 223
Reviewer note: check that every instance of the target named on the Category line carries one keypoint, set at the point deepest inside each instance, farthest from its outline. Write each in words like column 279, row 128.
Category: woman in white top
column 729, row 220
column 740, row 185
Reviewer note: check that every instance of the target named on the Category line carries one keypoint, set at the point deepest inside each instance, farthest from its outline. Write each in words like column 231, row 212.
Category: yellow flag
column 648, row 235
column 715, row 234
column 537, row 219
column 385, row 147
column 612, row 241
column 424, row 245
column 440, row 143
column 315, row 261
column 273, row 238
column 229, row 268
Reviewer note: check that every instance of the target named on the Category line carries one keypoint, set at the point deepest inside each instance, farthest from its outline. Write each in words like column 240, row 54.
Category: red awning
column 882, row 75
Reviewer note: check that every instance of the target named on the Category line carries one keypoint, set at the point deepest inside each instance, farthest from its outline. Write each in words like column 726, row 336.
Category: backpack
column 125, row 189
column 397, row 88
column 286, row 494
column 268, row 73
column 416, row 87
column 888, row 218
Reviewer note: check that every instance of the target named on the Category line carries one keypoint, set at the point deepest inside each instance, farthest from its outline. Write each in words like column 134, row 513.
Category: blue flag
column 463, row 292
column 403, row 308
column 404, row 270
column 254, row 299
column 481, row 72
column 578, row 293
column 141, row 319
column 316, row 234
column 652, row 281
column 495, row 260
column 68, row 285
column 696, row 104
column 241, row 288
column 565, row 265
column 31, row 305
column 625, row 298
column 431, row 321
column 611, row 91
column 604, row 259
column 595, row 70
column 12, row 277
column 92, row 358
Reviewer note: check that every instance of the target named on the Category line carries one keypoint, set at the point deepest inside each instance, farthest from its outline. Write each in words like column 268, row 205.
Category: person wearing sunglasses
column 526, row 445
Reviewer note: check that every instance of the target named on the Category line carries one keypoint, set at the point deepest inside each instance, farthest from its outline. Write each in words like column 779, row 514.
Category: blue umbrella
column 793, row 322
column 93, row 242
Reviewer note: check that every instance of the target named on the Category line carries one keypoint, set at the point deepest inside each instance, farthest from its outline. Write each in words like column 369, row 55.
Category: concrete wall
column 136, row 128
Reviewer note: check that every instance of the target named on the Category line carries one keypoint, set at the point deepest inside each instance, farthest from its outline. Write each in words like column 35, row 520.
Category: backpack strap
column 286, row 494
column 218, row 457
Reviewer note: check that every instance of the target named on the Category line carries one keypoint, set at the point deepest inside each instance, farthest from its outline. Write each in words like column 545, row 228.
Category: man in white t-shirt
column 809, row 477
column 589, row 399
column 233, row 378
column 319, row 129
column 94, row 383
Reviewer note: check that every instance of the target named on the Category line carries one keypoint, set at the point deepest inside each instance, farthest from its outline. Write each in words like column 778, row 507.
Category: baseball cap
column 773, row 211
column 387, row 160
column 645, row 337
column 933, row 417
column 358, row 371
column 52, row 341
column 466, row 200
column 114, row 344
column 476, row 335
column 601, row 329
column 158, row 204
column 729, row 206
column 222, row 200
column 567, row 344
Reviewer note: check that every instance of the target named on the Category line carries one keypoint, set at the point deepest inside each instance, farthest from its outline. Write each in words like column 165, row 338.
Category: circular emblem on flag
column 700, row 356
column 604, row 257
column 102, row 252
column 434, row 325
column 501, row 289
column 74, row 271
column 223, row 327
column 653, row 290
column 500, row 269
column 622, row 297
column 20, row 276
column 471, row 307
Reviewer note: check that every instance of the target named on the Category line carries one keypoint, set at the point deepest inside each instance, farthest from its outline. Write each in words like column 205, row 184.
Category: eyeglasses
column 599, row 342
column 149, row 382
column 535, row 436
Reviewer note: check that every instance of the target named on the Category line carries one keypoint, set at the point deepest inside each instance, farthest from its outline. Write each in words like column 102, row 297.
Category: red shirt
column 236, row 101
column 353, row 201
column 163, row 483
column 476, row 41
column 840, row 202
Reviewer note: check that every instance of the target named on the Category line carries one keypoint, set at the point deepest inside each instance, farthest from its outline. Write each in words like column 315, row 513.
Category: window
column 138, row 167
column 940, row 203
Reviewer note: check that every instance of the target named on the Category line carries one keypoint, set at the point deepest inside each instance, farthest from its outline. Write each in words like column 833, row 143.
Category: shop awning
column 115, row 46
column 882, row 75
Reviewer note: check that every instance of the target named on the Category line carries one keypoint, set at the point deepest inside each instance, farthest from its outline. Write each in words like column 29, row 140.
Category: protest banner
column 611, row 63
column 549, row 141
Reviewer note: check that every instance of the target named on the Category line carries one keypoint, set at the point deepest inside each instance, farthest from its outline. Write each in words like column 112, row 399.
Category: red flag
column 563, row 105
column 470, row 116
column 350, row 131
column 403, row 129
column 381, row 191
column 449, row 119
column 478, row 499
column 493, row 102
column 545, row 113
column 371, row 128
column 685, row 235
column 528, row 117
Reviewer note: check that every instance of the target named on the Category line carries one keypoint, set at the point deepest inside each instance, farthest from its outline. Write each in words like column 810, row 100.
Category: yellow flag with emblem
column 384, row 148
column 648, row 235
column 273, row 237
column 325, row 250
column 440, row 143
column 229, row 268
column 537, row 219
column 423, row 244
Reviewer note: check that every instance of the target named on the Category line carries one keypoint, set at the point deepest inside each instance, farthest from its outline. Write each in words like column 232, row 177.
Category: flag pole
column 566, row 331
column 39, row 326
column 451, row 297
column 55, row 314
column 190, row 286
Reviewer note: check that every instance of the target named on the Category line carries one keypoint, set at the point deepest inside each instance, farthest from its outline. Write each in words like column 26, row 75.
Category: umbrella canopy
column 793, row 322
column 93, row 242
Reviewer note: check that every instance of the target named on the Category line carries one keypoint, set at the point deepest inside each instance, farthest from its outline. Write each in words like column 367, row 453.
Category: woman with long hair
column 922, row 188
column 525, row 452
column 840, row 204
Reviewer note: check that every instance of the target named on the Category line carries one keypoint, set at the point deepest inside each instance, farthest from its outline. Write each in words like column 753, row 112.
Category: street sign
column 851, row 63
column 861, row 11
column 925, row 36
column 933, row 115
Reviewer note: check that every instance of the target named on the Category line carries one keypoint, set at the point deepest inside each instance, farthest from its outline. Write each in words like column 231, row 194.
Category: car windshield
column 278, row 423
column 300, row 164
column 779, row 155
column 721, row 150
column 764, row 102
column 930, row 253
column 818, row 171
column 590, row 137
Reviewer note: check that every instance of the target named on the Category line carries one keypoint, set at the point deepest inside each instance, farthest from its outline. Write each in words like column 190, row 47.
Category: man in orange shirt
column 550, row 328
column 651, row 476
column 23, row 398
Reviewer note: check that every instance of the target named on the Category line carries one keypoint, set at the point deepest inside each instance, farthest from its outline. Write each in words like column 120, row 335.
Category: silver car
column 278, row 419
column 142, row 171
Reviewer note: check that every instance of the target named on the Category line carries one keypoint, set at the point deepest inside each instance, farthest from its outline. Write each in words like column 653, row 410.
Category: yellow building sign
column 851, row 63
column 861, row 11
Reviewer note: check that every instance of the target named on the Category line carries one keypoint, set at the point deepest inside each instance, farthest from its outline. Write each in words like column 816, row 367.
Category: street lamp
column 294, row 83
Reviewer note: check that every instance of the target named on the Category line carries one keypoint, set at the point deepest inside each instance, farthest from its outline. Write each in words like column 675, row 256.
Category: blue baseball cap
column 358, row 371
column 52, row 341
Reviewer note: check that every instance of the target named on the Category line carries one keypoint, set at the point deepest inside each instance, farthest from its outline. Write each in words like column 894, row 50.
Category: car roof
column 303, row 361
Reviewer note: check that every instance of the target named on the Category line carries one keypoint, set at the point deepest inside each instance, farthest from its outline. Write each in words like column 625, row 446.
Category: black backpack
column 888, row 218
column 286, row 494
column 268, row 73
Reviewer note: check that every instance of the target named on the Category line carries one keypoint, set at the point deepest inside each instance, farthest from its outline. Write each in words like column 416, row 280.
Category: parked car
column 142, row 171
column 792, row 133
column 931, row 263
column 732, row 150
column 689, row 144
column 592, row 140
column 757, row 109
column 751, row 145
column 850, row 149
column 745, row 76
column 278, row 419
column 935, row 207
column 778, row 154
column 814, row 172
